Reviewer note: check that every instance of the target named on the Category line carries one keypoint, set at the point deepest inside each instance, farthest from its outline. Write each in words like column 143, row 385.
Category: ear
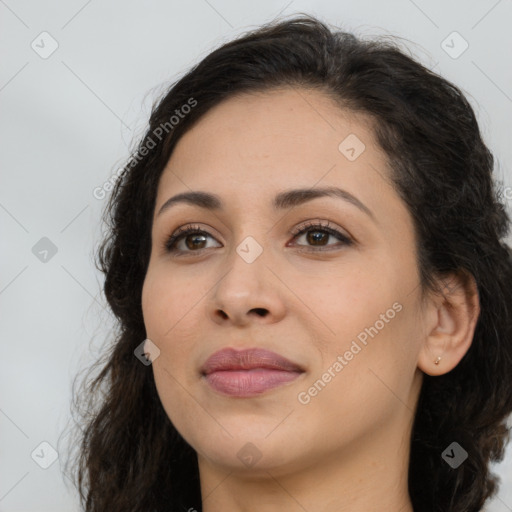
column 452, row 314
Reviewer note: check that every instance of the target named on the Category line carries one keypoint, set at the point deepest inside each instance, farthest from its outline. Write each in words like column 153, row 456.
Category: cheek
column 346, row 306
column 363, row 384
column 370, row 318
column 166, row 300
column 174, row 313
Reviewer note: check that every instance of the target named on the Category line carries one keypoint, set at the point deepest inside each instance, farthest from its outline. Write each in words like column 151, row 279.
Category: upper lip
column 232, row 359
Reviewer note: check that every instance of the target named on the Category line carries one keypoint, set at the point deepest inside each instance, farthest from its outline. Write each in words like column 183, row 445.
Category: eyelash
column 169, row 244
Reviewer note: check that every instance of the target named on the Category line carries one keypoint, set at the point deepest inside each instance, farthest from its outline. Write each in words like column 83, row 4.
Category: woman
column 307, row 247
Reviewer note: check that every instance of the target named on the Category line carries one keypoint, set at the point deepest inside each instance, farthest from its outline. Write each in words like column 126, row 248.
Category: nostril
column 260, row 311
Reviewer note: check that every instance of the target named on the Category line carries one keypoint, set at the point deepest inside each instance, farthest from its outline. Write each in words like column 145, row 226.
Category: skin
column 347, row 449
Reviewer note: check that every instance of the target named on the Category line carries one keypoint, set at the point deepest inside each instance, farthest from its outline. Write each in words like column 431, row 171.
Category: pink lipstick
column 246, row 373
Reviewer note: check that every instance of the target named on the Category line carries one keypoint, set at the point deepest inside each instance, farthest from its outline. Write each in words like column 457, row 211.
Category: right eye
column 185, row 236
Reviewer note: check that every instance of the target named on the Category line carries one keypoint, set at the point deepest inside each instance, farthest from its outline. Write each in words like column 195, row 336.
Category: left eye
column 317, row 235
column 195, row 239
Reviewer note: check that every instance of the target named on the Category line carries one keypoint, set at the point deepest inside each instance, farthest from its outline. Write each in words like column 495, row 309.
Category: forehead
column 272, row 139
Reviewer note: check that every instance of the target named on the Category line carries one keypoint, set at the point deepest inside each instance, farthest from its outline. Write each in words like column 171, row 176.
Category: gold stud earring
column 437, row 360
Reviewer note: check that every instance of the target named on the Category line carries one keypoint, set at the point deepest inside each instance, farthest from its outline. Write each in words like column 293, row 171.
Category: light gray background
column 66, row 125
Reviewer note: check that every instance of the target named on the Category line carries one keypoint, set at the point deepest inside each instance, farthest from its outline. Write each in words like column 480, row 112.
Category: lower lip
column 245, row 383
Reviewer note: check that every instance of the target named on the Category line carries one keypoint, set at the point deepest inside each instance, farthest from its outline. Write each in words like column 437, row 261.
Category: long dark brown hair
column 130, row 458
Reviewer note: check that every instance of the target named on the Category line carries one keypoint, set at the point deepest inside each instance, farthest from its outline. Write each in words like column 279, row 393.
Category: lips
column 231, row 359
column 248, row 372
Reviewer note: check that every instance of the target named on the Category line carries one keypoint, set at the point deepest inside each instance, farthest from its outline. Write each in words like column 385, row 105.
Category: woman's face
column 343, row 308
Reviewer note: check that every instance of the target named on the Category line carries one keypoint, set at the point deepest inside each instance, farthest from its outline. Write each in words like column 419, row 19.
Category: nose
column 247, row 293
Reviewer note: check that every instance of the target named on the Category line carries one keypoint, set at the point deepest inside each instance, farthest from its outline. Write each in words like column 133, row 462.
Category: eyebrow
column 282, row 201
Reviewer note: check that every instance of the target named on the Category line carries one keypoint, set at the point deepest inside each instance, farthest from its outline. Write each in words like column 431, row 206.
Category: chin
column 256, row 459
